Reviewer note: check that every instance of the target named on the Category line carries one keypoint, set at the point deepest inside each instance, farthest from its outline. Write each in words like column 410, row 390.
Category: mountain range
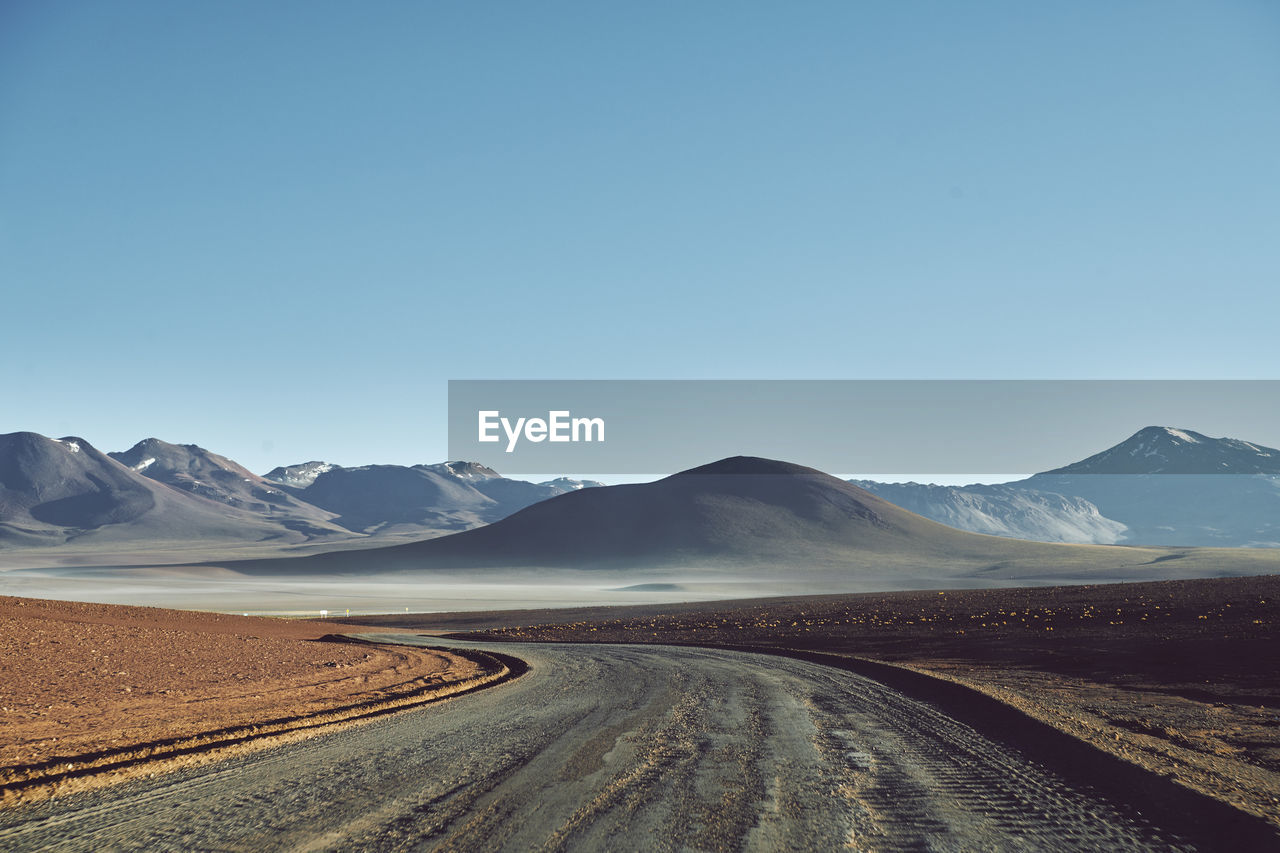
column 1161, row 486
column 55, row 490
column 744, row 521
column 59, row 491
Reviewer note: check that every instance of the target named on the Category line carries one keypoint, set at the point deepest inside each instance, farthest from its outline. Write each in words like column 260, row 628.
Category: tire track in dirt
column 618, row 747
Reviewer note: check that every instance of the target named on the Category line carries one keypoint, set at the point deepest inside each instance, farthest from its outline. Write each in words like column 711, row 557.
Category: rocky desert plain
column 93, row 694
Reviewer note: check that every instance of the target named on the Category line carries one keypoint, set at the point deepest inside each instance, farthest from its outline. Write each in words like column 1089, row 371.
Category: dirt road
column 616, row 748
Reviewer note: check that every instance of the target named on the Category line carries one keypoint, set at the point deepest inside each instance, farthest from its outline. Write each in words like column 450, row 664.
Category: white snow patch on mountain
column 299, row 476
column 1010, row 511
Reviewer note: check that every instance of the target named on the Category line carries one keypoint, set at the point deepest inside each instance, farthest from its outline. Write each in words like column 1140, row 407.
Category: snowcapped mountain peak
column 1181, row 435
column 568, row 484
column 468, row 471
column 299, row 476
column 1169, row 450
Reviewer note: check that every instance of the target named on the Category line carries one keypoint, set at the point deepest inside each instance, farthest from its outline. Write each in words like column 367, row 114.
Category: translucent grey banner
column 620, row 427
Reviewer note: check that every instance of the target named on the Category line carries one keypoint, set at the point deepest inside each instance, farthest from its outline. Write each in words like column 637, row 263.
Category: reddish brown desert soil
column 1179, row 677
column 90, row 688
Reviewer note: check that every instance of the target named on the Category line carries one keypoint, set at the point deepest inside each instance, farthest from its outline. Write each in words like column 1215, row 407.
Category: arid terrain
column 639, row 747
column 1179, row 677
column 93, row 691
column 994, row 719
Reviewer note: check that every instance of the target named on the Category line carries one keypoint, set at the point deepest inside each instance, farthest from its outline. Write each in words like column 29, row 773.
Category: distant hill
column 193, row 469
column 739, row 508
column 750, row 518
column 384, row 498
column 1178, row 487
column 443, row 497
column 298, row 476
column 54, row 491
column 471, row 472
column 1165, row 450
column 64, row 483
column 1160, row 486
column 567, row 484
column 57, row 491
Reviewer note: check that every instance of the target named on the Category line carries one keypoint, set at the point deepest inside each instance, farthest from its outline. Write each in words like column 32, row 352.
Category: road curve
column 615, row 748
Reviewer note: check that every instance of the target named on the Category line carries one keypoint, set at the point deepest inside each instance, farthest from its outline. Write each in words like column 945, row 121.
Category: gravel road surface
column 615, row 748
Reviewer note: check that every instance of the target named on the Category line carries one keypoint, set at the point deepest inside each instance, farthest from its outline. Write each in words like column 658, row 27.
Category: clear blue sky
column 277, row 229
